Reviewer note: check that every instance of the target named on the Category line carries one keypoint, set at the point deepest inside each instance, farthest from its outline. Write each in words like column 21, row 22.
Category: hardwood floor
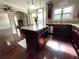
column 55, row 48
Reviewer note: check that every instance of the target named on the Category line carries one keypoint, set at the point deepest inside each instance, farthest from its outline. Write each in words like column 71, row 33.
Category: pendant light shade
column 40, row 9
column 32, row 5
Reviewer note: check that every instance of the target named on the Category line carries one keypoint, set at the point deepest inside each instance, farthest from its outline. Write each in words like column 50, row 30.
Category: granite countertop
column 75, row 25
column 33, row 28
column 58, row 23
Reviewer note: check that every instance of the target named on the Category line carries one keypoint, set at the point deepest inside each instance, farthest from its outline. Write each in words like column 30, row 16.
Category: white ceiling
column 22, row 5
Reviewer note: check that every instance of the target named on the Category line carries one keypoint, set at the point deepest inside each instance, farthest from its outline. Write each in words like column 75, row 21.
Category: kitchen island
column 35, row 36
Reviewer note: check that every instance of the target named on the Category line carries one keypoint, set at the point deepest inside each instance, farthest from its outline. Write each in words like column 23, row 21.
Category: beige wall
column 4, row 21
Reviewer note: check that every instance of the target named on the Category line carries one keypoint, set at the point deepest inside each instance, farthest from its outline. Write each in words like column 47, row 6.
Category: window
column 63, row 13
column 58, row 14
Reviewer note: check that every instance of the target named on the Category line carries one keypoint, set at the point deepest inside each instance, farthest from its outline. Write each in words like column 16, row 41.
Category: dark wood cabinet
column 75, row 38
column 61, row 29
column 50, row 9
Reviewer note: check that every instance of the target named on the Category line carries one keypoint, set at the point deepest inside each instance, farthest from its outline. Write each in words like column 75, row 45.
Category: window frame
column 62, row 13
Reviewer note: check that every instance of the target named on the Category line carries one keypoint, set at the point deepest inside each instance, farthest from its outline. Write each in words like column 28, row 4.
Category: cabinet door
column 62, row 30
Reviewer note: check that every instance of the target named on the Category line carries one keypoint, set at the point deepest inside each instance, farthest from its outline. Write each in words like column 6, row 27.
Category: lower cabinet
column 75, row 39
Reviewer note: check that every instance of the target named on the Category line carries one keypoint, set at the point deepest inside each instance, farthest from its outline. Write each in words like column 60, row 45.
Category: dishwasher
column 50, row 29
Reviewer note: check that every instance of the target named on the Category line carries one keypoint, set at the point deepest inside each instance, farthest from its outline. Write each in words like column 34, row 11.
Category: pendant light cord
column 32, row 2
column 40, row 3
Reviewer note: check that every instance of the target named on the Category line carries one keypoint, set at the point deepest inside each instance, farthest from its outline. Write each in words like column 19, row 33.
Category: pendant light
column 40, row 9
column 32, row 5
column 28, row 9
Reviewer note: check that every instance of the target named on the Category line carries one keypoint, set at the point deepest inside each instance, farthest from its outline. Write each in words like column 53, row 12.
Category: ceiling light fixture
column 40, row 9
column 28, row 9
column 32, row 5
